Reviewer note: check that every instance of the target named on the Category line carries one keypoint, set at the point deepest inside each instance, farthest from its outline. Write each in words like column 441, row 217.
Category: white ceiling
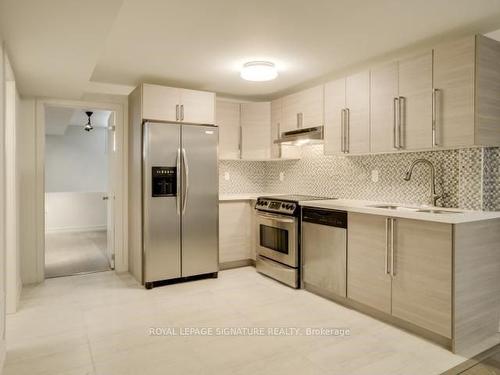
column 57, row 119
column 66, row 48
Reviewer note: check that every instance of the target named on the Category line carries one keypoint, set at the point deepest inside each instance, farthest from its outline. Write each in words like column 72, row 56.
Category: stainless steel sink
column 432, row 211
column 414, row 209
column 394, row 207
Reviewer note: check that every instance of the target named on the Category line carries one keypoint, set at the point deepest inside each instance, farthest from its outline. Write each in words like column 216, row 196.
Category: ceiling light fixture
column 88, row 126
column 259, row 71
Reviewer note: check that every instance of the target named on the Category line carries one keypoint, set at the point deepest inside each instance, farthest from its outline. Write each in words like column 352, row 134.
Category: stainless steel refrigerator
column 180, row 201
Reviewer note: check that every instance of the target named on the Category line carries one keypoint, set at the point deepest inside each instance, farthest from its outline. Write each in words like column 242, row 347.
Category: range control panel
column 271, row 205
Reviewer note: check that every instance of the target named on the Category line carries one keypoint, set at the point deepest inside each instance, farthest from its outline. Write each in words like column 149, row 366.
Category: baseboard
column 76, row 229
column 236, row 264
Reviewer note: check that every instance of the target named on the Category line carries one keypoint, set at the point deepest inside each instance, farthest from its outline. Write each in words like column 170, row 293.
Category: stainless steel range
column 278, row 237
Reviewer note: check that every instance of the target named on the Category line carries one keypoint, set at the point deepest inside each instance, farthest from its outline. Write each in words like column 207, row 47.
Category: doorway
column 79, row 230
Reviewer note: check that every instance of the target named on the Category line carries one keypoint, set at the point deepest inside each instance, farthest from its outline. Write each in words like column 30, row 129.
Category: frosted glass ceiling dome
column 259, row 71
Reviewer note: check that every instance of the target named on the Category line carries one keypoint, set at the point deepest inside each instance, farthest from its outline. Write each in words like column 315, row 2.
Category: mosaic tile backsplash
column 467, row 178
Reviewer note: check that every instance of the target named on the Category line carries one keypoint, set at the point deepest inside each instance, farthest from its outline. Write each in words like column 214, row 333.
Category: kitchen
column 282, row 221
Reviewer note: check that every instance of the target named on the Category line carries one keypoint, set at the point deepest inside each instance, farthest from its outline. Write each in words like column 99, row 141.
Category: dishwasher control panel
column 322, row 216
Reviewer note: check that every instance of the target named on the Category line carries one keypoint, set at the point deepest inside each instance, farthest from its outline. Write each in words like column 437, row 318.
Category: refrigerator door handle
column 178, row 195
column 186, row 180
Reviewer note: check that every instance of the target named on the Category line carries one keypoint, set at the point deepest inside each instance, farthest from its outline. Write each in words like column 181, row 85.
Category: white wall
column 2, row 208
column 27, row 192
column 76, row 161
column 12, row 261
column 75, row 211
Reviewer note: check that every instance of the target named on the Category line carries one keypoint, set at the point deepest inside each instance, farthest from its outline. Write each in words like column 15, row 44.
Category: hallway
column 71, row 253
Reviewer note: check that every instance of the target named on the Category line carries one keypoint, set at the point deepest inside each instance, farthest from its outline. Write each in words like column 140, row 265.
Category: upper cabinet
column 302, row 109
column 256, row 130
column 347, row 115
column 227, row 117
column 466, row 87
column 161, row 103
column 277, row 150
column 401, row 105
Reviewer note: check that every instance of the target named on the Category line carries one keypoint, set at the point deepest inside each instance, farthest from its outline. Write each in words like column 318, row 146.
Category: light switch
column 282, row 176
column 226, row 176
column 375, row 175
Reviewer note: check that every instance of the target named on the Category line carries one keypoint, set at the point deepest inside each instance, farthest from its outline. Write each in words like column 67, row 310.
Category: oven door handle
column 277, row 218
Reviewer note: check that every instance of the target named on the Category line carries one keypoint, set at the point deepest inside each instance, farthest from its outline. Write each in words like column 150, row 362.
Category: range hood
column 313, row 135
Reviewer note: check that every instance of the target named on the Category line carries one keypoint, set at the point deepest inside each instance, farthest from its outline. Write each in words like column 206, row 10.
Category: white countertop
column 361, row 206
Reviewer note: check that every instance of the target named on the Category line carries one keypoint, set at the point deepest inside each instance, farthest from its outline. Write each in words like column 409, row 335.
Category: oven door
column 277, row 238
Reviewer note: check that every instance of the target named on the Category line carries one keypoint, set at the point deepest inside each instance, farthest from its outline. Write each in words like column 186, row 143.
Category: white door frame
column 121, row 205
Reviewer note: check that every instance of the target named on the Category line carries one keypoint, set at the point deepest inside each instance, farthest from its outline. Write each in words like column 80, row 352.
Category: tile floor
column 99, row 324
column 75, row 252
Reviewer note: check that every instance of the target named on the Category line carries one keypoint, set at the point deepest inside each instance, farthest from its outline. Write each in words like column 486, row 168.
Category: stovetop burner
column 284, row 204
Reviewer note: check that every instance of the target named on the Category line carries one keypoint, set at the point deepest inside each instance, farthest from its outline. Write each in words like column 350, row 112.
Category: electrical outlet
column 282, row 176
column 375, row 175
column 226, row 176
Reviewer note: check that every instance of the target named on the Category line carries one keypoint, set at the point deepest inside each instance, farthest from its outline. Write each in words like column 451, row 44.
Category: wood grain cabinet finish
column 415, row 102
column 334, row 106
column 401, row 105
column 161, row 103
column 256, row 130
column 357, row 98
column 303, row 109
column 384, row 91
column 368, row 281
column 466, row 84
column 402, row 267
column 197, row 107
column 422, row 274
column 347, row 115
column 227, row 117
column 235, row 231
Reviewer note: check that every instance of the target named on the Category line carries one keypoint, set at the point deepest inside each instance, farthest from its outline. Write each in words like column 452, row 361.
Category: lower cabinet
column 236, row 235
column 368, row 280
column 402, row 267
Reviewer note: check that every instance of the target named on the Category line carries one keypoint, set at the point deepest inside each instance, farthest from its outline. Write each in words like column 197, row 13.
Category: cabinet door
column 228, row 119
column 235, row 231
column 256, row 130
column 311, row 106
column 290, row 110
column 422, row 267
column 159, row 103
column 454, row 65
column 367, row 279
column 415, row 90
column 198, row 107
column 384, row 89
column 334, row 104
column 357, row 97
column 276, row 119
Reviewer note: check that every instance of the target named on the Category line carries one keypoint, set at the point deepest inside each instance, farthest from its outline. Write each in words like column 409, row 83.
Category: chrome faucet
column 433, row 195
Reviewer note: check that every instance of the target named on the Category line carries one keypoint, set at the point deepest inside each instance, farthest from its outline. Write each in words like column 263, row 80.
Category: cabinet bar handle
column 347, row 129
column 434, row 117
column 395, row 123
column 387, row 245
column 177, row 112
column 240, row 141
column 182, row 112
column 393, row 262
column 342, row 116
column 401, row 119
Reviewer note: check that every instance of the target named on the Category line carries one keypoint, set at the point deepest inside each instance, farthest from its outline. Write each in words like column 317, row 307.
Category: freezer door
column 161, row 198
column 200, row 209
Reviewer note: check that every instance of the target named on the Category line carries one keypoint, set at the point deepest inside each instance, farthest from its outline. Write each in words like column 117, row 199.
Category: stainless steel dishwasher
column 324, row 251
